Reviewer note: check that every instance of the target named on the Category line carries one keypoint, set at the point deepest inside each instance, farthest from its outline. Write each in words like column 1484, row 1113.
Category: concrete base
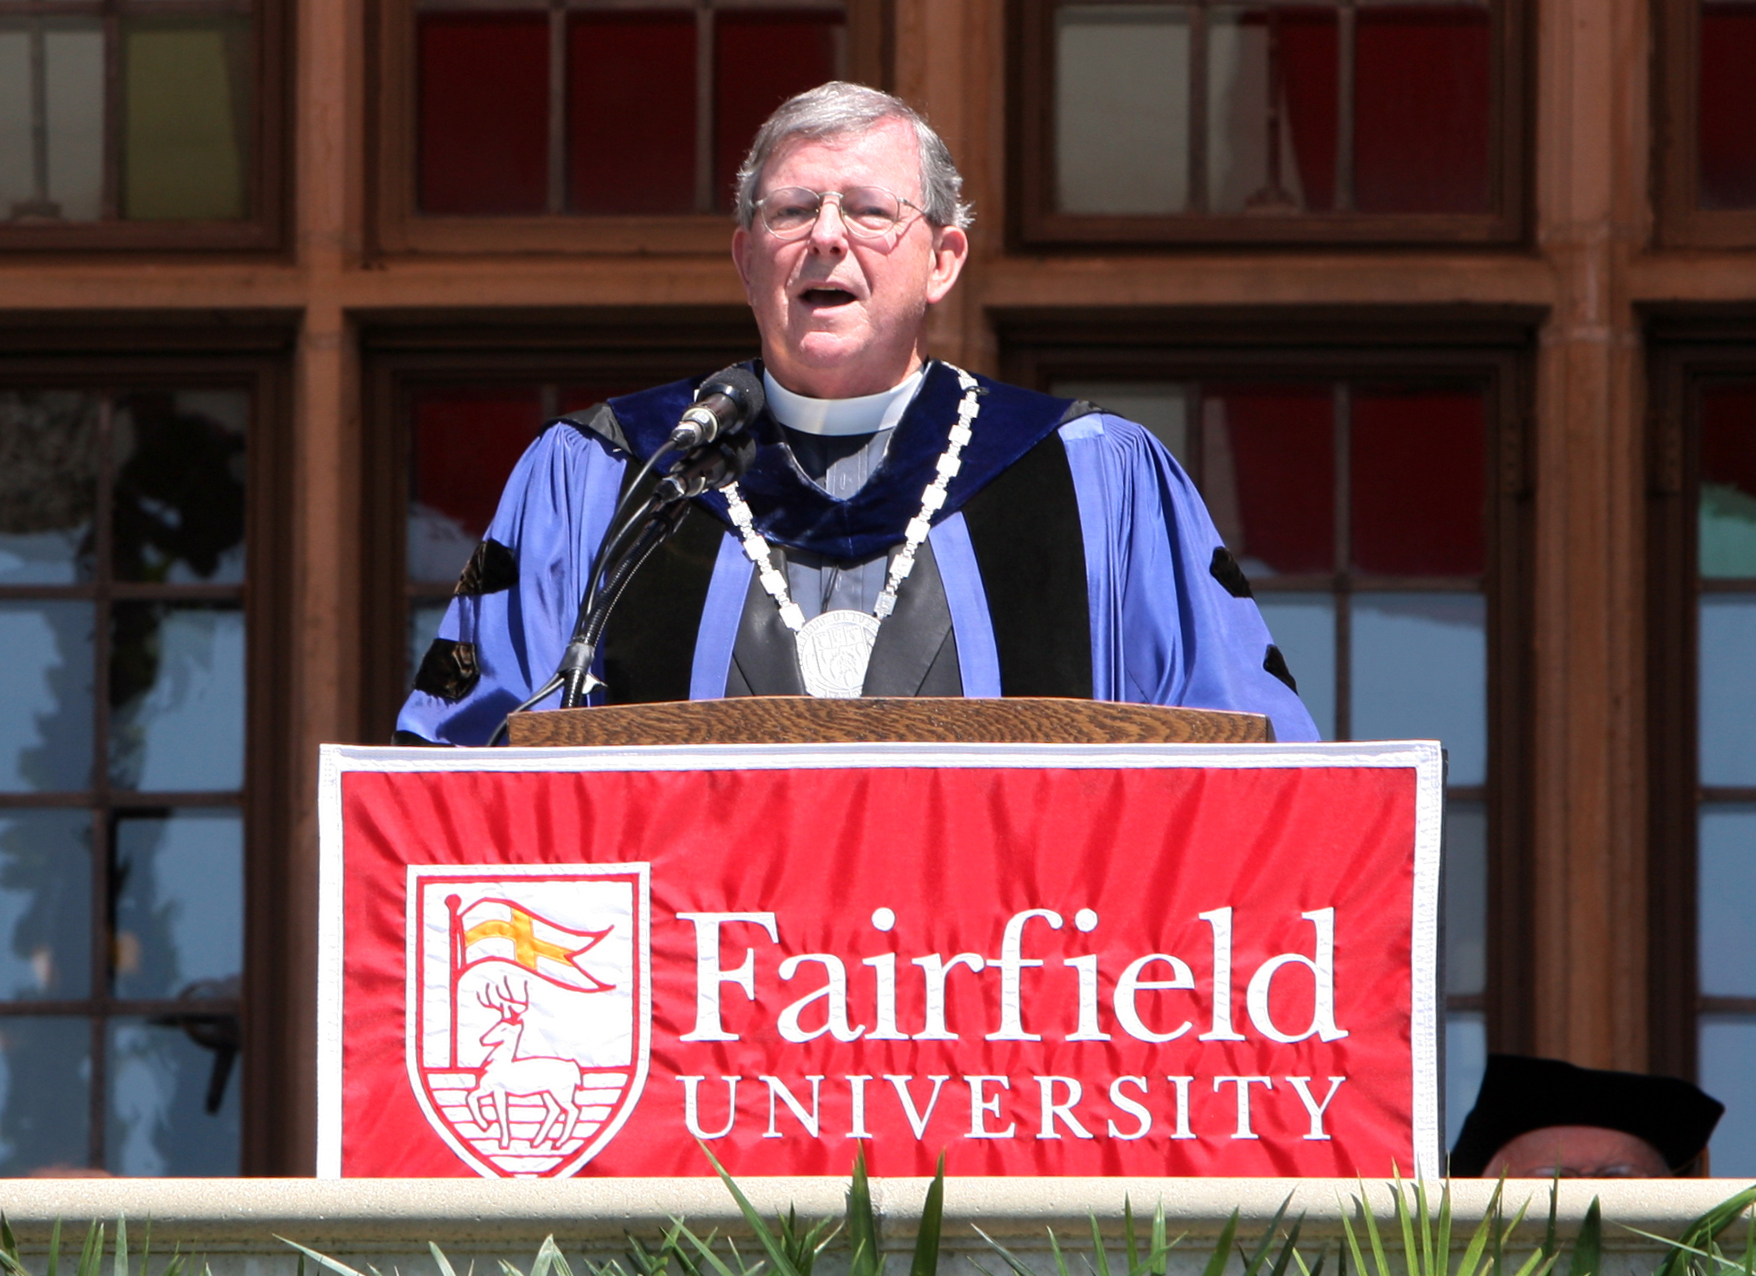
column 234, row 1223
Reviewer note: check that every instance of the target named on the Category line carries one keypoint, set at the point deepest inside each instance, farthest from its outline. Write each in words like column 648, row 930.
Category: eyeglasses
column 868, row 212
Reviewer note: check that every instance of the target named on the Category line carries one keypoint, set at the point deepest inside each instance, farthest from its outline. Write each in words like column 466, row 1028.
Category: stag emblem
column 551, row 1080
column 528, row 1009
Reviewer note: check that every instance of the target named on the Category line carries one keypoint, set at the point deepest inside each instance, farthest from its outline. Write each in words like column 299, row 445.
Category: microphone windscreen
column 740, row 385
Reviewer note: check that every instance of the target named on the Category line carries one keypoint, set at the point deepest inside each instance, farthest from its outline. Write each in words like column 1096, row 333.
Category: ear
column 743, row 244
column 950, row 251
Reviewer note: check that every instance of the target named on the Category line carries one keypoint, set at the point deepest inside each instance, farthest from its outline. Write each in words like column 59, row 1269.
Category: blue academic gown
column 1165, row 627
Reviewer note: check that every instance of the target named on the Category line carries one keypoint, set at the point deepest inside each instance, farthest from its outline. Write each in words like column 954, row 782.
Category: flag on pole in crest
column 500, row 930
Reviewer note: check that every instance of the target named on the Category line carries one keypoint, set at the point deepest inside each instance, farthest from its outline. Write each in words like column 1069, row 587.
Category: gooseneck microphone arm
column 714, row 451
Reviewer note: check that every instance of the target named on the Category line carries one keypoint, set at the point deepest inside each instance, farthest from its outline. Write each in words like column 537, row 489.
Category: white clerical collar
column 867, row 414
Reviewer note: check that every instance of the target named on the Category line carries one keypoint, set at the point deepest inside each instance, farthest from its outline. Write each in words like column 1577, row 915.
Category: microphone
column 726, row 402
column 708, row 469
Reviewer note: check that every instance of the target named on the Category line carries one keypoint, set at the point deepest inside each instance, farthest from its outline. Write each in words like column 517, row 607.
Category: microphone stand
column 707, row 467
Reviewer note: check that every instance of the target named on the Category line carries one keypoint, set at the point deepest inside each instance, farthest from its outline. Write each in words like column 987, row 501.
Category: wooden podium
column 808, row 720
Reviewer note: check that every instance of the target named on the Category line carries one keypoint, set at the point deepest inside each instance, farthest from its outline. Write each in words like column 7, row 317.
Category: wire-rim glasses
column 868, row 212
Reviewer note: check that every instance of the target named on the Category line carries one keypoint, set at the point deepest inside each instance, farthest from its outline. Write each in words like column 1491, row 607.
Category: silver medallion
column 834, row 649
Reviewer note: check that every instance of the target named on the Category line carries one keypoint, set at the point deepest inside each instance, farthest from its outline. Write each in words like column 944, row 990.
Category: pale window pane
column 183, row 150
column 45, row 1088
column 48, row 485
column 1466, row 897
column 52, row 80
column 1727, row 1069
column 1466, row 1058
column 45, row 905
column 1726, row 881
column 45, row 695
column 1161, row 406
column 1303, row 627
column 160, row 1081
column 17, row 163
column 1122, row 109
column 177, row 681
column 76, row 122
column 180, row 904
column 1419, row 672
column 1237, row 110
column 1728, row 689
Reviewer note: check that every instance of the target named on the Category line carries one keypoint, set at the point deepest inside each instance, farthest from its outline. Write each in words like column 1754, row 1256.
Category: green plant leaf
column 928, row 1240
column 1128, row 1238
column 443, row 1263
column 121, row 1264
column 55, row 1248
column 1284, row 1259
column 92, row 1256
column 1254, row 1262
column 1353, row 1241
column 1222, row 1248
column 1478, row 1241
column 1588, row 1246
column 862, row 1223
column 323, row 1260
column 771, row 1244
column 1101, row 1258
column 1018, row 1266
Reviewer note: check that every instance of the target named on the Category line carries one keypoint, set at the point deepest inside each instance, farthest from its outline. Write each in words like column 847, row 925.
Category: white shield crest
column 529, row 1009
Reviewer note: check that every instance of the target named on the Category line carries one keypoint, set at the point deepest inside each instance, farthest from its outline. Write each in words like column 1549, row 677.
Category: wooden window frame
column 125, row 353
column 1687, row 354
column 647, row 348
column 1035, row 223
column 397, row 225
column 1676, row 63
column 1039, row 348
column 267, row 188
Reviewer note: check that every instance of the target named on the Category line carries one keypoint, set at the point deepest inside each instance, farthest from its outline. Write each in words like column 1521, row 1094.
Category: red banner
column 1139, row 960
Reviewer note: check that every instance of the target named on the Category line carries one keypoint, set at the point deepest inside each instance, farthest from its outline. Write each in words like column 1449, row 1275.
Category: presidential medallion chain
column 836, row 646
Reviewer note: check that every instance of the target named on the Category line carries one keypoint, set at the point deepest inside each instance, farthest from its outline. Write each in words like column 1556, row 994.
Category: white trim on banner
column 1422, row 756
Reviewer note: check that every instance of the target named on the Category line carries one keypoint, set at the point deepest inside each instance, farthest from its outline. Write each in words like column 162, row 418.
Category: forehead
column 884, row 155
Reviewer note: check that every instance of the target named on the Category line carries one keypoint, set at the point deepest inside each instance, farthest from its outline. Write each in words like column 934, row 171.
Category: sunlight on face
column 840, row 315
column 1578, row 1152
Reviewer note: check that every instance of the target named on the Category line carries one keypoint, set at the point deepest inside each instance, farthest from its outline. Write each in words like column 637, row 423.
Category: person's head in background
column 1535, row 1118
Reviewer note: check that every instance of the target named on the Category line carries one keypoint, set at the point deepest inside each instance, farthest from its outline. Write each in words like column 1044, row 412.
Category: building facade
column 1449, row 306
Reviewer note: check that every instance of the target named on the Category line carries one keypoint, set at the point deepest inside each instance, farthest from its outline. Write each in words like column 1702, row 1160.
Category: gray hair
column 837, row 109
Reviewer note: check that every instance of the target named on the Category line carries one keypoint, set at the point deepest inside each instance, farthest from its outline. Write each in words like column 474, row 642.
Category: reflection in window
column 463, row 443
column 145, row 118
column 122, row 554
column 1273, row 109
column 1726, row 743
column 590, row 106
column 1359, row 512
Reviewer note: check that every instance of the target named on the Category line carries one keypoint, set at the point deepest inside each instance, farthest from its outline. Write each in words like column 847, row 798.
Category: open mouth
column 826, row 296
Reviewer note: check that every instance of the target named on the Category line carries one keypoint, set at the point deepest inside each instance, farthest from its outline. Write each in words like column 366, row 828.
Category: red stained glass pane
column 1728, row 436
column 795, row 51
column 1418, row 473
column 1421, row 110
column 1727, row 140
column 1268, row 474
column 484, row 112
column 1310, row 81
column 466, row 441
column 631, row 112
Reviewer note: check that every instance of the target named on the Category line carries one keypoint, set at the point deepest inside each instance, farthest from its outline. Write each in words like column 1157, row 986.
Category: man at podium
column 905, row 528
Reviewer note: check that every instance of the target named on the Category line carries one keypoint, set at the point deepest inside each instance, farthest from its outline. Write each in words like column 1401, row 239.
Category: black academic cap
column 1520, row 1094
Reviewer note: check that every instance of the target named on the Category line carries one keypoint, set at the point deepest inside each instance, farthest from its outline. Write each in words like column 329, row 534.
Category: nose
column 829, row 233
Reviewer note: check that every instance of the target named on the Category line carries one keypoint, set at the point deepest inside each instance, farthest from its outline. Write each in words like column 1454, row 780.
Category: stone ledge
column 382, row 1215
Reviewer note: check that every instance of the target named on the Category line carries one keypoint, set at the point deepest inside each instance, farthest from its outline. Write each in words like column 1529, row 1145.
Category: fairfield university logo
column 529, row 1009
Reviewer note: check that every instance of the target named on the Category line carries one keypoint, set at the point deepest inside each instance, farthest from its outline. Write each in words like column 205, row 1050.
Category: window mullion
column 1344, row 106
column 1198, row 107
column 704, row 113
column 557, row 106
